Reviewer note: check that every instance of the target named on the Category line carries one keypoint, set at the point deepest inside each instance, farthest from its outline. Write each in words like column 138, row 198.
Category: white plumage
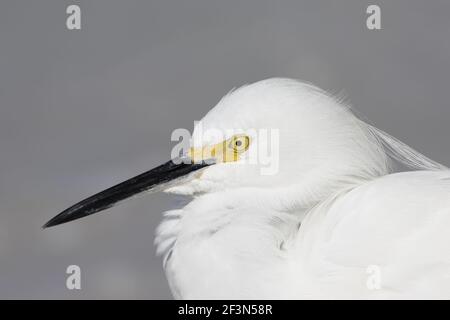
column 315, row 228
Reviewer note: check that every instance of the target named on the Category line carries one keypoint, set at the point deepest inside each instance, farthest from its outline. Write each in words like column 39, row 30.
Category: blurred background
column 84, row 109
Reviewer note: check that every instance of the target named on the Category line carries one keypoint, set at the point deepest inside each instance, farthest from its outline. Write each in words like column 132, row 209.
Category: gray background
column 82, row 110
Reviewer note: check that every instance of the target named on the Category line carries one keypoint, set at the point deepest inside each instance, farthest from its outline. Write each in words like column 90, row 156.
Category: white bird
column 333, row 221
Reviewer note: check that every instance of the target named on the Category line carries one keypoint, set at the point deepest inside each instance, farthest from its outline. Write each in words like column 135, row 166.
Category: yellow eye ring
column 225, row 151
column 239, row 144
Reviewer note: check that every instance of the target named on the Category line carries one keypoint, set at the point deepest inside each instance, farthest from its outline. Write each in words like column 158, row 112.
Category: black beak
column 150, row 180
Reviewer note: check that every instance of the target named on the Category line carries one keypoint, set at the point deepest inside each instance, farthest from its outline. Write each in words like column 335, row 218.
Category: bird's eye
column 239, row 143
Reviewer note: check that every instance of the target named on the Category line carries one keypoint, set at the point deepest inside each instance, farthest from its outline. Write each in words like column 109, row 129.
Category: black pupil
column 238, row 143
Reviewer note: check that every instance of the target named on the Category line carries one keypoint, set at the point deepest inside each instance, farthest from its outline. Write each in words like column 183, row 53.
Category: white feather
column 312, row 230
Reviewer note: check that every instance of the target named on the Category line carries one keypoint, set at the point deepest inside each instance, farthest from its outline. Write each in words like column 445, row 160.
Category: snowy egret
column 333, row 221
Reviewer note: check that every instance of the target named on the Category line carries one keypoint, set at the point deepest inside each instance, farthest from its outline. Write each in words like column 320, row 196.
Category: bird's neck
column 224, row 240
column 233, row 239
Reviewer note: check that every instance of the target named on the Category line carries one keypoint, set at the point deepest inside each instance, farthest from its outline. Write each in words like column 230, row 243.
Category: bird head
column 277, row 135
column 281, row 134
